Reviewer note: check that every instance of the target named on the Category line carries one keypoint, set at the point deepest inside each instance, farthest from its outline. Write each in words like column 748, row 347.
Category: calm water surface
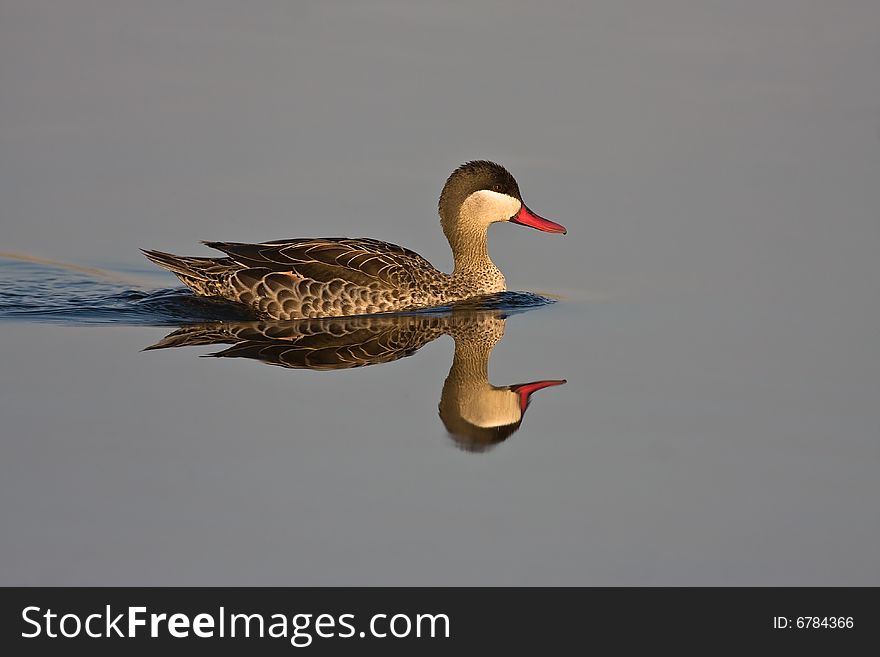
column 715, row 309
column 692, row 443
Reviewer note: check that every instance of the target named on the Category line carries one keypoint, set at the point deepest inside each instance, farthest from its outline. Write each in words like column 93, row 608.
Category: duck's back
column 359, row 260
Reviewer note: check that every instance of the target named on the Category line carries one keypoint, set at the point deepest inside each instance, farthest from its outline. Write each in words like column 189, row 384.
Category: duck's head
column 478, row 418
column 480, row 193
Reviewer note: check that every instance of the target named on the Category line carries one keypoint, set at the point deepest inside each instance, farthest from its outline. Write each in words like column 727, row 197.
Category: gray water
column 717, row 314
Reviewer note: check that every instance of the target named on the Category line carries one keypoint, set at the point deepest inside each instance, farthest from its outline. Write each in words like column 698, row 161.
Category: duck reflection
column 476, row 414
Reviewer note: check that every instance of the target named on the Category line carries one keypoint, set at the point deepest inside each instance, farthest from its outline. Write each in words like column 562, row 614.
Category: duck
column 308, row 278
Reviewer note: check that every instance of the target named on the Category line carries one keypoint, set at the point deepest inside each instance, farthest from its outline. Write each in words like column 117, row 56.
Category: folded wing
column 360, row 261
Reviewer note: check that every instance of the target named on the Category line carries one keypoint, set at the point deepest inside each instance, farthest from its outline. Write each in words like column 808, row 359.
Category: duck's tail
column 203, row 275
column 179, row 265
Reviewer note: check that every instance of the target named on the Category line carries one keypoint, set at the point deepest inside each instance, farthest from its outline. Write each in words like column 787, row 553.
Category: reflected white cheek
column 492, row 408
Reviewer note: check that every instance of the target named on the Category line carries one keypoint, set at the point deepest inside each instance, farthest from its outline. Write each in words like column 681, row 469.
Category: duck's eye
column 497, row 187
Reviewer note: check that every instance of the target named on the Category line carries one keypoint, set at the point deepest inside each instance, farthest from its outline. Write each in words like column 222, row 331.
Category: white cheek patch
column 486, row 207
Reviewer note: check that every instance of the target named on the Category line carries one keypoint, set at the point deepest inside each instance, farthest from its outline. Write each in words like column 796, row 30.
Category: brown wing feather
column 362, row 261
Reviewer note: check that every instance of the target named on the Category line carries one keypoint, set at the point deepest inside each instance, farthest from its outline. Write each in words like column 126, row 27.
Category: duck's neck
column 470, row 248
column 474, row 268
